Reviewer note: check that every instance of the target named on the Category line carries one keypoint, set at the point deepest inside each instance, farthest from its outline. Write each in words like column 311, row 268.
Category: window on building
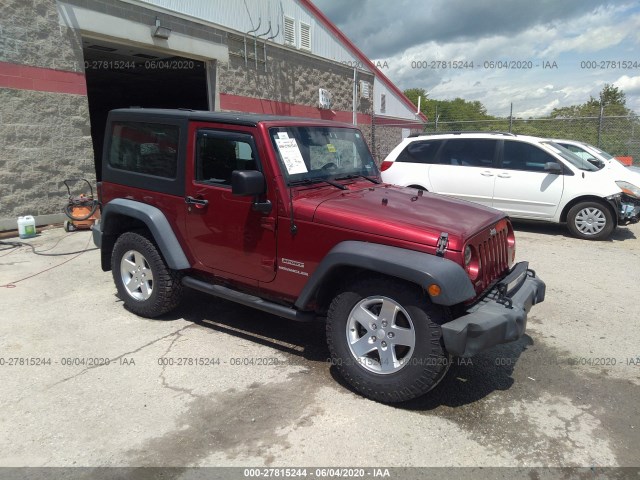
column 383, row 103
column 289, row 31
column 220, row 153
column 147, row 148
column 305, row 36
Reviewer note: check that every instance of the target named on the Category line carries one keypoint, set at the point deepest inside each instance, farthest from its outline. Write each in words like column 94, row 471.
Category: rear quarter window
column 420, row 151
column 146, row 148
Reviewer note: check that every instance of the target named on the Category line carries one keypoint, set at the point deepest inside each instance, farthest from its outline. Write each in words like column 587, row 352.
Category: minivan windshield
column 602, row 153
column 310, row 154
column 571, row 157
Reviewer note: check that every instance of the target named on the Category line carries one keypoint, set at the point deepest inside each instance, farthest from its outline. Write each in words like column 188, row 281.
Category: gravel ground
column 566, row 394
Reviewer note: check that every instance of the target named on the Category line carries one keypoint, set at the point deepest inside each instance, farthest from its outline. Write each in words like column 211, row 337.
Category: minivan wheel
column 385, row 340
column 144, row 282
column 590, row 221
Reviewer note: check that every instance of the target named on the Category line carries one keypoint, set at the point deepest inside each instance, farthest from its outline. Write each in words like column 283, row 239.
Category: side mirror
column 250, row 183
column 596, row 162
column 553, row 167
column 247, row 183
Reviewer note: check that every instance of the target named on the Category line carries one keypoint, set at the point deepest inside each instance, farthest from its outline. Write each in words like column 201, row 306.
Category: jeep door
column 224, row 232
column 465, row 169
column 523, row 187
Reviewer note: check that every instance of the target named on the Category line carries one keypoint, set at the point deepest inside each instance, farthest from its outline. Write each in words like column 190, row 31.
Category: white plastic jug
column 26, row 226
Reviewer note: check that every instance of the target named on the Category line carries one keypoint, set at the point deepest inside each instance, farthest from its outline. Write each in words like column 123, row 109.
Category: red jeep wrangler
column 289, row 216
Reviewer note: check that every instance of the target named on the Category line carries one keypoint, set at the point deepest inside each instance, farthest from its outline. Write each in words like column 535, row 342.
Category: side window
column 469, row 152
column 578, row 151
column 524, row 156
column 220, row 153
column 147, row 148
column 420, row 151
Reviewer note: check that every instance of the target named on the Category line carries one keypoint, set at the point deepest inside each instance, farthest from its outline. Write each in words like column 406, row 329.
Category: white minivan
column 526, row 177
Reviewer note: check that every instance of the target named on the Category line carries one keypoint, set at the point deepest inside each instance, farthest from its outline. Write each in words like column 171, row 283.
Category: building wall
column 44, row 114
column 386, row 139
column 44, row 120
column 289, row 79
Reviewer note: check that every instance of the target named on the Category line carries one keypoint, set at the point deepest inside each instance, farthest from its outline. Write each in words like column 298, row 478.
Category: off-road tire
column 166, row 286
column 428, row 362
column 598, row 213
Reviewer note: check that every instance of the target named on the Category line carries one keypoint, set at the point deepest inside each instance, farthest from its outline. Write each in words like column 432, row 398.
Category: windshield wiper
column 358, row 175
column 309, row 181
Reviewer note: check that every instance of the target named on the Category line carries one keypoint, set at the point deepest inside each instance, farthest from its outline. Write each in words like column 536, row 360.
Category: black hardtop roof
column 235, row 118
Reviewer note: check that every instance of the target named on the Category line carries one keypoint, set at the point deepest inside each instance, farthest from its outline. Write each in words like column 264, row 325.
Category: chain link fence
column 617, row 135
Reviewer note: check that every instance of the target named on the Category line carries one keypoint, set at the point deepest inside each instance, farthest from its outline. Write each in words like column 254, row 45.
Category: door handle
column 196, row 202
column 504, row 175
column 486, row 173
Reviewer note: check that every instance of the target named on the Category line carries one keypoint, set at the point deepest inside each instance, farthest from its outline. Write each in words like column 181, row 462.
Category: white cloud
column 630, row 85
column 594, row 30
column 539, row 111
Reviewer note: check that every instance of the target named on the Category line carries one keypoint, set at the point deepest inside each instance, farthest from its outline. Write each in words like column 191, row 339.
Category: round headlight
column 467, row 256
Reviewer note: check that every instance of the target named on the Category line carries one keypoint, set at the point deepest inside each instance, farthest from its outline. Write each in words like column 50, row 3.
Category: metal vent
column 365, row 90
column 305, row 36
column 289, row 31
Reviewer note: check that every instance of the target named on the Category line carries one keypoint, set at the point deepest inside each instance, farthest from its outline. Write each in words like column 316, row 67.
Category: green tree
column 611, row 99
column 452, row 114
column 610, row 95
column 413, row 94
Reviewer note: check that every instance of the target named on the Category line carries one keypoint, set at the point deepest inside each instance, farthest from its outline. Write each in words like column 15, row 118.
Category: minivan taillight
column 385, row 165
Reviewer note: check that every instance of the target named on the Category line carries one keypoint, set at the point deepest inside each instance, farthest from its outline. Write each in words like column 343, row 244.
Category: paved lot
column 566, row 394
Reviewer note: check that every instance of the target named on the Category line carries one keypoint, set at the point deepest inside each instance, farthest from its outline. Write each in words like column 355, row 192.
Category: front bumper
column 628, row 209
column 500, row 317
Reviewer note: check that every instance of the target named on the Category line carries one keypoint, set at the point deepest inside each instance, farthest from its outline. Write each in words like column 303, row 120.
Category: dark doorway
column 121, row 76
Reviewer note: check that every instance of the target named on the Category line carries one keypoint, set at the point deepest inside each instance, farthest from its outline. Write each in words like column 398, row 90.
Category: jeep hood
column 402, row 214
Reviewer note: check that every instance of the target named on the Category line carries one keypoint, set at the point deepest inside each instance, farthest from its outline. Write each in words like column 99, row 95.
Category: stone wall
column 44, row 136
column 44, row 139
column 31, row 35
column 386, row 139
column 288, row 76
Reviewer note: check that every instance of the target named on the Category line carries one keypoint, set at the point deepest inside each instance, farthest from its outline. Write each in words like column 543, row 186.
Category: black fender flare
column 415, row 267
column 155, row 221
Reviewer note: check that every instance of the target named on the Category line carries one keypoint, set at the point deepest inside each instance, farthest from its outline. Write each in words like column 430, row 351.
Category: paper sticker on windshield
column 283, row 135
column 291, row 156
column 331, row 148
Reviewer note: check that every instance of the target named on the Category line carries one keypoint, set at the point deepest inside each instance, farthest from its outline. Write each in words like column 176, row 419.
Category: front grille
column 493, row 251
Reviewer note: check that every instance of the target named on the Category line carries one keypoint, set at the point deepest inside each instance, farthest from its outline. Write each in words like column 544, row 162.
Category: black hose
column 11, row 245
column 69, row 208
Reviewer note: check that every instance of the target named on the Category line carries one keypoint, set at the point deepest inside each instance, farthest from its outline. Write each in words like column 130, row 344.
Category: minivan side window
column 524, row 156
column 420, row 151
column 147, row 148
column 468, row 152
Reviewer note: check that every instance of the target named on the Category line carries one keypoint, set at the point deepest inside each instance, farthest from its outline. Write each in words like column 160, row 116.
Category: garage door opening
column 120, row 76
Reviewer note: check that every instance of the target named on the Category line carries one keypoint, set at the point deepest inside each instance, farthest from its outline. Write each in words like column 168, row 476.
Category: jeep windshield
column 322, row 154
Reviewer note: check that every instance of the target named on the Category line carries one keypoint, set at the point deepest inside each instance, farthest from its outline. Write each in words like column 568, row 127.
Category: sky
column 536, row 54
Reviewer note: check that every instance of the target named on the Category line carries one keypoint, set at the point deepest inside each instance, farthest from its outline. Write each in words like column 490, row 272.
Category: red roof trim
column 338, row 33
